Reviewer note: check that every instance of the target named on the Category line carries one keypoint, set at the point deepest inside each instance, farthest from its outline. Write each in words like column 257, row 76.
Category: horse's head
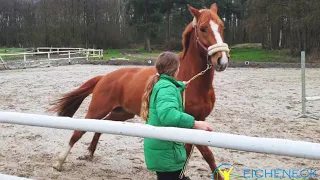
column 209, row 36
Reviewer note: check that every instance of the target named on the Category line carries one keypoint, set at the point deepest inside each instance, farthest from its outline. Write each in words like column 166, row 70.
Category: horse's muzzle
column 221, row 65
column 221, row 68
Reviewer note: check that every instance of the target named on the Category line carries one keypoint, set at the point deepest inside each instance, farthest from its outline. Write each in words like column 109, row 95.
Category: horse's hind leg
column 92, row 147
column 97, row 110
column 117, row 114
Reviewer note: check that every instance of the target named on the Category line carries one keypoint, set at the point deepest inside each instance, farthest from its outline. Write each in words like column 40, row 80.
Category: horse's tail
column 70, row 102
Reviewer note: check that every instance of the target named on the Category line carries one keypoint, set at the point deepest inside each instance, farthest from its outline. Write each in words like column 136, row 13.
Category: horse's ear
column 195, row 12
column 214, row 8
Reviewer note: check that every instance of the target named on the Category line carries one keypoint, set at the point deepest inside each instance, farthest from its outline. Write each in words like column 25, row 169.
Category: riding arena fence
column 44, row 56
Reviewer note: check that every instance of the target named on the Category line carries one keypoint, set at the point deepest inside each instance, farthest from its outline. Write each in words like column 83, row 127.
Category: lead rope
column 209, row 66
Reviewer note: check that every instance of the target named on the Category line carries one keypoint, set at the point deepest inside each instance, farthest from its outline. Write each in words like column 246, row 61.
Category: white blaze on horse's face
column 215, row 29
column 209, row 32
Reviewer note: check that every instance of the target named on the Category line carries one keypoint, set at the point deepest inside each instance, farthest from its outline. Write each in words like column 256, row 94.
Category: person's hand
column 186, row 83
column 202, row 125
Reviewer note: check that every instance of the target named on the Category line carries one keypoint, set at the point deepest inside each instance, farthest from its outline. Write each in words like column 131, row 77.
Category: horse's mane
column 186, row 39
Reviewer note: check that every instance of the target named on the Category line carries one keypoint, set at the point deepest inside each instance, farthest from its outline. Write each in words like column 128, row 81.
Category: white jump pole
column 8, row 177
column 313, row 98
column 221, row 140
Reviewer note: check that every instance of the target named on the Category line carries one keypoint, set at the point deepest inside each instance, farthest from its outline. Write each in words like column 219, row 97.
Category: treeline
column 94, row 23
column 290, row 24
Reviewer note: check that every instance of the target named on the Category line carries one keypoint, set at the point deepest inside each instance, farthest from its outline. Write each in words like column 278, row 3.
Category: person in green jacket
column 162, row 105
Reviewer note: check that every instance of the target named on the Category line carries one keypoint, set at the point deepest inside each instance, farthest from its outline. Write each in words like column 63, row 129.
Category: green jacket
column 166, row 109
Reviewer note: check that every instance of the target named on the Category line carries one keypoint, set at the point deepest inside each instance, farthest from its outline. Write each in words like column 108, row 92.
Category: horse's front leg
column 188, row 149
column 208, row 156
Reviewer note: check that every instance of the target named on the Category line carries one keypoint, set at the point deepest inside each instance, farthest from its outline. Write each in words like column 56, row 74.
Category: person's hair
column 166, row 63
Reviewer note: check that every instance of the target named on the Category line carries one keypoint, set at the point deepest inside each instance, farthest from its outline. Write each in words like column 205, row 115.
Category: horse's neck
column 192, row 64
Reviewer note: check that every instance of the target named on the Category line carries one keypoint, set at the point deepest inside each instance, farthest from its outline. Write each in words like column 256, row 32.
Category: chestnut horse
column 117, row 95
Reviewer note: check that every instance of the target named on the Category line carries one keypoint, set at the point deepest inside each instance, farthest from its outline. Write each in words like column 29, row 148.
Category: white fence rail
column 82, row 54
column 90, row 52
column 3, row 63
column 304, row 98
column 48, row 49
column 275, row 146
column 9, row 177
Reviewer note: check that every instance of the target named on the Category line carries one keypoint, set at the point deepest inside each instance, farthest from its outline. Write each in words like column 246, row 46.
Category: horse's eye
column 202, row 29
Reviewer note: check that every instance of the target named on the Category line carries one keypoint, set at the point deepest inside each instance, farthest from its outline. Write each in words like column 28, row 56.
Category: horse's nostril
column 219, row 61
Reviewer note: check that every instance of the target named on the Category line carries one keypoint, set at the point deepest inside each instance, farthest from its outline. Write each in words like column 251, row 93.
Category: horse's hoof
column 86, row 157
column 220, row 177
column 57, row 166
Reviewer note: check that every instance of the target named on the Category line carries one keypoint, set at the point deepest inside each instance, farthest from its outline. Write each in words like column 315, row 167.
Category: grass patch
column 239, row 53
column 137, row 54
column 156, row 53
column 113, row 53
column 256, row 54
column 10, row 50
column 153, row 54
